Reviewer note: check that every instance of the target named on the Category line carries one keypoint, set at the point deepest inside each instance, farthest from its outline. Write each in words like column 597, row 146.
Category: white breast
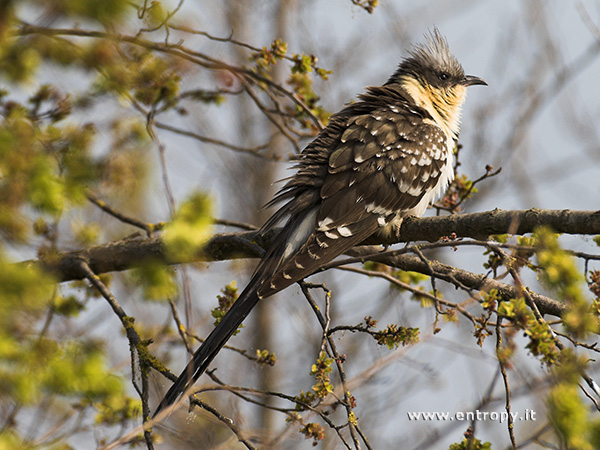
column 446, row 177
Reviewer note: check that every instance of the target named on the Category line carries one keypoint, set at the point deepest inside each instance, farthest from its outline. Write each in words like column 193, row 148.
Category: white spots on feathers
column 425, row 160
column 415, row 191
column 344, row 231
column 313, row 255
column 375, row 209
column 321, row 243
column 331, row 235
column 323, row 224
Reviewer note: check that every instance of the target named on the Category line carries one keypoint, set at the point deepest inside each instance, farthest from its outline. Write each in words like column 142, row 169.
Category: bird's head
column 436, row 80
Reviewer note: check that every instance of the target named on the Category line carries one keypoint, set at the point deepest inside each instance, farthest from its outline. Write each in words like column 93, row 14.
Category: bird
column 380, row 159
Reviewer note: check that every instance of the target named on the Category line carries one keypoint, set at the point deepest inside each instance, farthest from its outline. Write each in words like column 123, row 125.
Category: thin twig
column 134, row 342
column 180, row 327
column 148, row 228
column 347, row 403
column 255, row 151
column 225, row 420
column 414, row 290
column 511, row 425
column 171, row 202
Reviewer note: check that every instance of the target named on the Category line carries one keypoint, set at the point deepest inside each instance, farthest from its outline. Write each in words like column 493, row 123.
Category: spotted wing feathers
column 383, row 162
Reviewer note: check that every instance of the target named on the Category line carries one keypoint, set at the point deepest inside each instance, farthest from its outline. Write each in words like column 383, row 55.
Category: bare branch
column 122, row 255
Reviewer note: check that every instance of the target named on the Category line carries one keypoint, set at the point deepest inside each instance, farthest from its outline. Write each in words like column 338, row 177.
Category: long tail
column 212, row 345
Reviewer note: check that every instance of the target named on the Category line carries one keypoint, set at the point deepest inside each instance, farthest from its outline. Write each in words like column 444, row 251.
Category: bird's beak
column 471, row 80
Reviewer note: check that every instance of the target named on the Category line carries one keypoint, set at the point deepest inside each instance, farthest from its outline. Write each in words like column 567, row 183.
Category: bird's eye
column 443, row 76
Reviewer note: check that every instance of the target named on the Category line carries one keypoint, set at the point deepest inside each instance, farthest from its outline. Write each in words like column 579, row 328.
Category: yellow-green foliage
column 541, row 341
column 146, row 77
column 408, row 277
column 568, row 412
column 559, row 272
column 85, row 234
column 313, row 431
column 45, row 167
column 19, row 62
column 11, row 441
column 117, row 409
column 33, row 367
column 230, row 295
column 157, row 280
column 69, row 306
column 24, row 291
column 101, row 10
column 321, row 370
column 570, row 416
column 412, row 279
column 395, row 335
column 471, row 444
column 190, row 228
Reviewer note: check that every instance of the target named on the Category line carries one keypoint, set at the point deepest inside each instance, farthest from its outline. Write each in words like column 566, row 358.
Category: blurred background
column 538, row 120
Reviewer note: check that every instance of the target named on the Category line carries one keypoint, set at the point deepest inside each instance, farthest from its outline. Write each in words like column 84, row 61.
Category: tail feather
column 266, row 269
column 212, row 345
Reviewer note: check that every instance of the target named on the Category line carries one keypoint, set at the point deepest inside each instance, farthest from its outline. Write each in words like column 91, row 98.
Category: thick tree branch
column 122, row 255
column 461, row 278
column 484, row 224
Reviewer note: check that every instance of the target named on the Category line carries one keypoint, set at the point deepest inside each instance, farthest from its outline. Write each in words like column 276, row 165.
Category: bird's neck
column 445, row 107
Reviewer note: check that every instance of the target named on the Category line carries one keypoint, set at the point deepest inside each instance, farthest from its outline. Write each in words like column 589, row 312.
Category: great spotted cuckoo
column 380, row 159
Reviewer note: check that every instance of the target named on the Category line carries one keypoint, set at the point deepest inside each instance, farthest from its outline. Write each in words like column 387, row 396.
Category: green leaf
column 24, row 289
column 559, row 271
column 102, row 10
column 569, row 416
column 156, row 279
column 190, row 229
column 45, row 190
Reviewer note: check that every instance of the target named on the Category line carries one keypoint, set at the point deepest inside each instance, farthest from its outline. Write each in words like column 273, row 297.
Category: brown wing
column 382, row 164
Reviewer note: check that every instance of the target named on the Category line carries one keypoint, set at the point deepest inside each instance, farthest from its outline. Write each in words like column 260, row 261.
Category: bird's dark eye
column 443, row 76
